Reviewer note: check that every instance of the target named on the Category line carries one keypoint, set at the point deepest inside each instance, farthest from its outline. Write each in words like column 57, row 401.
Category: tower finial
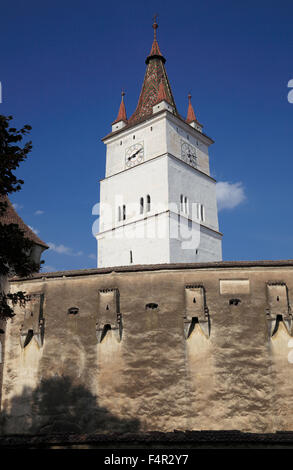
column 155, row 26
column 155, row 50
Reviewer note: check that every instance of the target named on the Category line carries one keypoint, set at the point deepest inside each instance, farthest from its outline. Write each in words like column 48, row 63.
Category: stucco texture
column 135, row 357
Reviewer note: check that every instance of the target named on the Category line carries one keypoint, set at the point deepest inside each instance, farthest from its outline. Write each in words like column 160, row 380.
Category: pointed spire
column 190, row 113
column 155, row 50
column 155, row 85
column 122, row 111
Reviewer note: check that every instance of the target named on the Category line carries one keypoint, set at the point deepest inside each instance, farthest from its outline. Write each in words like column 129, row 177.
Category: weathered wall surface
column 193, row 347
column 4, row 286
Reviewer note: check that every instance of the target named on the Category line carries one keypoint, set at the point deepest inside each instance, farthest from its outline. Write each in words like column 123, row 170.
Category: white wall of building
column 197, row 187
column 194, row 243
column 148, row 238
column 177, row 132
column 126, row 188
column 145, row 241
column 151, row 133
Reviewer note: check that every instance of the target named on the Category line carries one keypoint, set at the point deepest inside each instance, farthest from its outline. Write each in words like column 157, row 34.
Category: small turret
column 121, row 119
column 191, row 118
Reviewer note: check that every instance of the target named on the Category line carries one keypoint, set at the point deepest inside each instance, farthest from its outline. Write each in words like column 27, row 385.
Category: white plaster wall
column 176, row 132
column 197, row 187
column 154, row 142
column 128, row 187
column 193, row 244
column 147, row 234
column 164, row 178
column 147, row 239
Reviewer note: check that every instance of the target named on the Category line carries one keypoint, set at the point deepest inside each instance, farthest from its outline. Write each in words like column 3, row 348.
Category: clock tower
column 157, row 200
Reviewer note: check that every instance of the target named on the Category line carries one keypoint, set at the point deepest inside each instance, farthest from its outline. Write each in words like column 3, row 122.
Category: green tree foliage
column 15, row 248
column 11, row 155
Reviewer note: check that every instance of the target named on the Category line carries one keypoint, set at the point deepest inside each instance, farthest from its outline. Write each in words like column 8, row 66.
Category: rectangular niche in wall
column 194, row 300
column 234, row 286
column 278, row 299
column 196, row 310
column 108, row 303
column 109, row 316
column 278, row 307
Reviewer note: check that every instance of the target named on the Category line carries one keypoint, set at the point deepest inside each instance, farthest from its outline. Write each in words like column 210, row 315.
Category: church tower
column 157, row 200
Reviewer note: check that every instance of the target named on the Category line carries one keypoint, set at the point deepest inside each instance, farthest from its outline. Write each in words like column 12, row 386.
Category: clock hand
column 132, row 156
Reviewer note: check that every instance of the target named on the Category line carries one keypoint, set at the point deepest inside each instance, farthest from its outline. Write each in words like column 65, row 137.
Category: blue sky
column 62, row 68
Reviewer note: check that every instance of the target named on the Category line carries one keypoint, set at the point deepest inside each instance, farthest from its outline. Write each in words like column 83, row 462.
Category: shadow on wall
column 59, row 406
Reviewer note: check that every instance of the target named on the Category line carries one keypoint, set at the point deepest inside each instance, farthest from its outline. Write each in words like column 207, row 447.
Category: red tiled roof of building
column 162, row 94
column 155, row 50
column 10, row 216
column 190, row 112
column 154, row 76
column 122, row 111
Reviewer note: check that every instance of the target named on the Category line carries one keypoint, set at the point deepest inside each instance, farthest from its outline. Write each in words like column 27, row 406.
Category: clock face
column 134, row 155
column 188, row 153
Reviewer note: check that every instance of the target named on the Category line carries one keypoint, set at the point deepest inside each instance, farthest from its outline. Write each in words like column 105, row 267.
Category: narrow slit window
column 202, row 212
column 181, row 202
column 119, row 214
column 198, row 211
column 141, row 205
column 131, row 257
column 124, row 212
column 148, row 203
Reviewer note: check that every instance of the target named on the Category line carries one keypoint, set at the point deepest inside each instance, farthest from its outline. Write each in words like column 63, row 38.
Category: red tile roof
column 155, row 50
column 11, row 217
column 122, row 111
column 190, row 112
column 154, row 76
column 162, row 95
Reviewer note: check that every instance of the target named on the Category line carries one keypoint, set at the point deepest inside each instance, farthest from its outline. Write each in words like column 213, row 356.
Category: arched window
column 202, row 212
column 124, row 212
column 198, row 211
column 181, row 202
column 186, row 205
column 148, row 198
column 141, row 205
